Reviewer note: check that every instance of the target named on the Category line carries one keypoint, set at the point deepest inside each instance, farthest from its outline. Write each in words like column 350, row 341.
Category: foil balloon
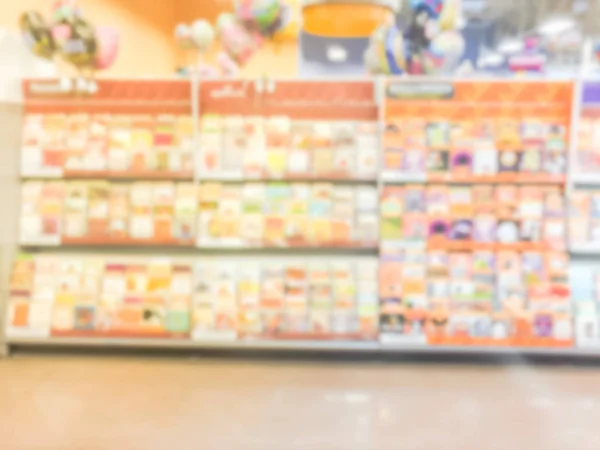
column 444, row 53
column 237, row 42
column 80, row 45
column 65, row 11
column 38, row 36
column 183, row 36
column 228, row 66
column 261, row 16
column 386, row 53
column 202, row 35
column 108, row 47
column 433, row 8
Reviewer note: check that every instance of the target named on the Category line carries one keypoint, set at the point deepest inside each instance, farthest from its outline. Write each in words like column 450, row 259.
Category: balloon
column 202, row 35
column 433, row 8
column 108, row 47
column 183, row 36
column 228, row 66
column 81, row 47
column 445, row 53
column 38, row 36
column 237, row 42
column 386, row 53
column 65, row 11
column 262, row 16
column 448, row 19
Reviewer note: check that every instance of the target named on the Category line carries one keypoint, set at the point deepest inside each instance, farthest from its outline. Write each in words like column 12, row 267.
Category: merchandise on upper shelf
column 108, row 146
column 478, row 298
column 256, row 147
column 489, row 151
column 211, row 214
column 494, row 131
column 64, row 296
column 481, row 217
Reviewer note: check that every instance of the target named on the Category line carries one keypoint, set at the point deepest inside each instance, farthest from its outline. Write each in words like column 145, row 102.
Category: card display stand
column 365, row 215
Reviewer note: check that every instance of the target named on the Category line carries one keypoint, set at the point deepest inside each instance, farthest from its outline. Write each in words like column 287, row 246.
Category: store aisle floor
column 110, row 403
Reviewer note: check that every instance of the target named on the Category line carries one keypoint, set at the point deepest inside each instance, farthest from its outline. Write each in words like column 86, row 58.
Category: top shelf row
column 347, row 131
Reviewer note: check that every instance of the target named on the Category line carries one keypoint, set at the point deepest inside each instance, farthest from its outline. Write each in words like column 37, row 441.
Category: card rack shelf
column 376, row 101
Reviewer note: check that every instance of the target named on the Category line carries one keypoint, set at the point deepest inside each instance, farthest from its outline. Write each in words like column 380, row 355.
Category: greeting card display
column 278, row 147
column 474, row 298
column 479, row 217
column 487, row 132
column 212, row 300
column 286, row 215
column 109, row 145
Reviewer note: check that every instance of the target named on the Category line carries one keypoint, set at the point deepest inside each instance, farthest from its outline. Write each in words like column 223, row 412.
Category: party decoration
column 80, row 45
column 237, row 42
column 202, row 34
column 37, row 34
column 433, row 8
column 65, row 11
column 199, row 35
column 261, row 16
column 430, row 44
column 70, row 37
column 228, row 66
column 183, row 36
column 108, row 47
column 444, row 53
column 386, row 53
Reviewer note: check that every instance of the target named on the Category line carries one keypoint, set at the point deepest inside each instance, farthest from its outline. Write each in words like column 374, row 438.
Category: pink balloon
column 108, row 47
column 238, row 43
column 61, row 32
column 228, row 66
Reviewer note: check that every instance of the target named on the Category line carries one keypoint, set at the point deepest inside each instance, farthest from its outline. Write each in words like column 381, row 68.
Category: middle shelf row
column 296, row 215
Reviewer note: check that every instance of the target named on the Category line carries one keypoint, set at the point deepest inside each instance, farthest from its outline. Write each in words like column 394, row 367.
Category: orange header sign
column 300, row 100
column 107, row 96
column 484, row 99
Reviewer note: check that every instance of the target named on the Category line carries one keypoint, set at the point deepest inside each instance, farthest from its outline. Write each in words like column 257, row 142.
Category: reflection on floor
column 98, row 403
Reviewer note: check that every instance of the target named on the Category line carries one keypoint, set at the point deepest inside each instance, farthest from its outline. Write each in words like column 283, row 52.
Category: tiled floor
column 118, row 403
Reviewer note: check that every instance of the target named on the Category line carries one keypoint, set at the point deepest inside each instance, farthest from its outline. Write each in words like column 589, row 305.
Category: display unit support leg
column 4, row 350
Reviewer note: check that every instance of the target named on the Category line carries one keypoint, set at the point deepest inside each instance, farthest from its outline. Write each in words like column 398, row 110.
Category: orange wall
column 146, row 26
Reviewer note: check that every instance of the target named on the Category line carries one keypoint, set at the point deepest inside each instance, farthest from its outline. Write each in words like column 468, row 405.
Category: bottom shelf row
column 408, row 298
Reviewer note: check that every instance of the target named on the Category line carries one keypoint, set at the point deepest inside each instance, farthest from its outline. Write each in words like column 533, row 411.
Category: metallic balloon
column 108, row 47
column 386, row 53
column 183, row 36
column 80, row 47
column 38, row 36
column 261, row 16
column 236, row 41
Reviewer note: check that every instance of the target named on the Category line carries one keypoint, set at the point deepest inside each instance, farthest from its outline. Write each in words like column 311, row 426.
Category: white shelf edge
column 585, row 249
column 393, row 177
column 491, row 350
column 586, row 179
